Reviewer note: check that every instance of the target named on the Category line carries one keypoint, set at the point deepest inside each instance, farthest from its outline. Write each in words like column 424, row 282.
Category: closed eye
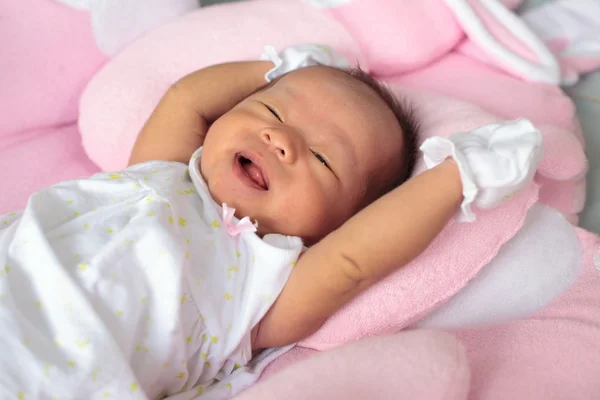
column 273, row 112
column 321, row 159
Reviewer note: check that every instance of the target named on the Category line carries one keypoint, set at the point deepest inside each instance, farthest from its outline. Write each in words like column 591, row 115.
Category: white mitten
column 299, row 56
column 495, row 161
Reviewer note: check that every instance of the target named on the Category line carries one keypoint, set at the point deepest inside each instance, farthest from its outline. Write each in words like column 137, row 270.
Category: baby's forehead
column 333, row 89
column 321, row 77
column 347, row 99
column 328, row 93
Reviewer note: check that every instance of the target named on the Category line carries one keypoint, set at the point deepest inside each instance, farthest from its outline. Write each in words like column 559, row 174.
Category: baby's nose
column 281, row 143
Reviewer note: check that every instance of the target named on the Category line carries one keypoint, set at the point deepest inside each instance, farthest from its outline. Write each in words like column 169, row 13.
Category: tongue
column 254, row 173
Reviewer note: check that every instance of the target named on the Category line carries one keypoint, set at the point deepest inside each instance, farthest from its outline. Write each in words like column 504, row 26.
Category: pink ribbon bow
column 244, row 225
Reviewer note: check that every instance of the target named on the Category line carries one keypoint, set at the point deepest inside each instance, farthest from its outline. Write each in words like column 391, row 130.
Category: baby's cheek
column 312, row 215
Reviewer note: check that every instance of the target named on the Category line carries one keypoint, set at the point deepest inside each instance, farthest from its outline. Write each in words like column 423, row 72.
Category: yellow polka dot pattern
column 151, row 200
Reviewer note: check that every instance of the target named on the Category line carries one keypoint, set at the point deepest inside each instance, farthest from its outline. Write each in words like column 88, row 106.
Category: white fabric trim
column 547, row 70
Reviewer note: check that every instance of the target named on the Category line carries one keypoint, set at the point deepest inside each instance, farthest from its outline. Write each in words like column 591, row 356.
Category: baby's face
column 304, row 155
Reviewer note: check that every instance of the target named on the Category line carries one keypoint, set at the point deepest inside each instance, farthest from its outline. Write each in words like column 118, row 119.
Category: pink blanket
column 48, row 56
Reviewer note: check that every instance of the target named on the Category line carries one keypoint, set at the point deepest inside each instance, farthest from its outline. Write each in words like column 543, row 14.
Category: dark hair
column 405, row 115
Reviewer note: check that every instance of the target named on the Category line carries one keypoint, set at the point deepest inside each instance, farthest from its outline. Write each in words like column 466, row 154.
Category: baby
column 144, row 284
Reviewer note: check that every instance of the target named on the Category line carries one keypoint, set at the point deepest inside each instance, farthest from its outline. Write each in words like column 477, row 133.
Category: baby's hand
column 495, row 161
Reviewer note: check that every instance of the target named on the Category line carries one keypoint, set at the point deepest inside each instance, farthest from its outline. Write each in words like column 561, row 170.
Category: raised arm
column 488, row 165
column 179, row 123
column 379, row 239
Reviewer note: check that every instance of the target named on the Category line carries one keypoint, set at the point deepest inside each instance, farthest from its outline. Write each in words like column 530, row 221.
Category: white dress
column 130, row 285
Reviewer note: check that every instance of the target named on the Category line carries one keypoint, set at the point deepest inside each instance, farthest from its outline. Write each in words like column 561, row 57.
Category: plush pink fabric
column 37, row 159
column 501, row 32
column 581, row 64
column 512, row 4
column 48, row 55
column 408, row 365
column 552, row 355
column 44, row 66
column 507, row 41
column 402, row 32
column 395, row 28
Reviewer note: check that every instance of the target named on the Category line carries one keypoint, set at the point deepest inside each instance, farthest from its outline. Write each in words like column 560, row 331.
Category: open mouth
column 253, row 172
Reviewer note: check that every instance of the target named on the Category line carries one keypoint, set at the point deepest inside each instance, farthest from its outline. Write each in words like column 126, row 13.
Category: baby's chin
column 266, row 223
column 241, row 211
